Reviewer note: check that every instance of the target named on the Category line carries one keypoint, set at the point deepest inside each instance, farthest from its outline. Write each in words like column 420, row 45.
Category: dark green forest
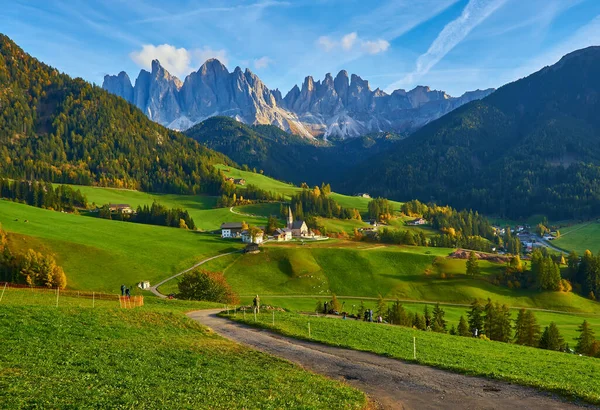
column 58, row 129
column 529, row 148
column 285, row 156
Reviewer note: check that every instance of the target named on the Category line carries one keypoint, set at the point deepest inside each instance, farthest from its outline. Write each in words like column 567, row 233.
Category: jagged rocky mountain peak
column 341, row 106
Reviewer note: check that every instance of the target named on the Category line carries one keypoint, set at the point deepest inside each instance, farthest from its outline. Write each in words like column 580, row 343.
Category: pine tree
column 361, row 310
column 427, row 317
column 472, row 265
column 586, row 339
column 551, row 338
column 463, row 327
column 419, row 322
column 439, row 324
column 475, row 316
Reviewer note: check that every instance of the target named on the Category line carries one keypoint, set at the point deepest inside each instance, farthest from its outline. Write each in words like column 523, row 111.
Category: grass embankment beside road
column 99, row 254
column 147, row 357
column 569, row 375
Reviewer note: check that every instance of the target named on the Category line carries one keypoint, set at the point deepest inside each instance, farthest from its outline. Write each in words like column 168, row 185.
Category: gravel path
column 390, row 383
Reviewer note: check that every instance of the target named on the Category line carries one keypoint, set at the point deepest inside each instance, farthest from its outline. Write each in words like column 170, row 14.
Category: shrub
column 204, row 285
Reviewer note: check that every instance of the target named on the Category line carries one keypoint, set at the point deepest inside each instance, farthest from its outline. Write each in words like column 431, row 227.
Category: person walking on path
column 127, row 292
column 122, row 290
column 256, row 304
column 370, row 315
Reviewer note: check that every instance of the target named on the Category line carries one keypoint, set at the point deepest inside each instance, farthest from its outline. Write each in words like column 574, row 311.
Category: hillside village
column 295, row 229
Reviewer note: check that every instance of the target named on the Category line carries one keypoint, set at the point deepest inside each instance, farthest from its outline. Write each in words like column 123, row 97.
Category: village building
column 416, row 222
column 123, row 208
column 252, row 248
column 236, row 181
column 247, row 237
column 282, row 235
column 299, row 228
column 231, row 229
column 363, row 195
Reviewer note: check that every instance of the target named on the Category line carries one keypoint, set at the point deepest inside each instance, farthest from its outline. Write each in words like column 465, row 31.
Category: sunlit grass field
column 147, row 357
column 99, row 254
column 570, row 375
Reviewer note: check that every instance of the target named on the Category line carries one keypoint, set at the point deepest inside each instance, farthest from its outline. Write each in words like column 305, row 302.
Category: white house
column 231, row 229
column 247, row 237
column 284, row 234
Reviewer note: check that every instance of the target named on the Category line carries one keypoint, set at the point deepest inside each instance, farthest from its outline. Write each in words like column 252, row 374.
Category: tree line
column 316, row 202
column 251, row 194
column 43, row 195
column 156, row 214
column 31, row 268
column 489, row 321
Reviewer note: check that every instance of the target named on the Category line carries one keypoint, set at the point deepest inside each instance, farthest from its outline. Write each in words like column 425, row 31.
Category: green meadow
column 147, row 357
column 367, row 270
column 569, row 375
column 99, row 254
column 580, row 237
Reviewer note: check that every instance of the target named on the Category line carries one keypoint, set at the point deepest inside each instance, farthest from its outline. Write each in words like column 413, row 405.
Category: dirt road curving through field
column 390, row 383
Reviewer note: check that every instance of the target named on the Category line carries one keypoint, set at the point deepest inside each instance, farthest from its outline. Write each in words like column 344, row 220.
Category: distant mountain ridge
column 337, row 107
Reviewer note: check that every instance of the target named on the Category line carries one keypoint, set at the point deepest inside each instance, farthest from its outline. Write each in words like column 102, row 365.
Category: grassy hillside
column 580, row 237
column 148, row 357
column 569, row 375
column 99, row 254
column 288, row 190
column 363, row 270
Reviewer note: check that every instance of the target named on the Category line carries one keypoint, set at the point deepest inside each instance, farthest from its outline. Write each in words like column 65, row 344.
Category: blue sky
column 452, row 45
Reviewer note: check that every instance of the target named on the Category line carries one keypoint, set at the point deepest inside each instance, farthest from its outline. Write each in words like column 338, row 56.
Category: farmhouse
column 416, row 222
column 299, row 228
column 247, row 237
column 363, row 195
column 236, row 181
column 281, row 235
column 231, row 229
column 123, row 208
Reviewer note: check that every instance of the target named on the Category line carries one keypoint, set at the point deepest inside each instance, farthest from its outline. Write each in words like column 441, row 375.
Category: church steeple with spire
column 290, row 218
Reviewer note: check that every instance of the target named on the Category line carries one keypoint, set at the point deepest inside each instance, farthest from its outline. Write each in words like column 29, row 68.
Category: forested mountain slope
column 286, row 156
column 59, row 129
column 531, row 147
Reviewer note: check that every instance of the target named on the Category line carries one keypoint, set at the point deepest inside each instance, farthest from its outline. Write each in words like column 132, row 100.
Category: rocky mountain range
column 340, row 107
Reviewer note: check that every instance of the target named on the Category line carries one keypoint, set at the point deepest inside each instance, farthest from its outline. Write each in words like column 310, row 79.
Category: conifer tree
column 586, row 339
column 382, row 307
column 439, row 324
column 551, row 338
column 472, row 265
column 475, row 316
column 463, row 327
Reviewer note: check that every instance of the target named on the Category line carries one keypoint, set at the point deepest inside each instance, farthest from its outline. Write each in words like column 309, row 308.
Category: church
column 299, row 228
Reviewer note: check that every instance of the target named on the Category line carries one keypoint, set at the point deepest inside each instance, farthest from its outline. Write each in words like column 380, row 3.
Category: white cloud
column 351, row 42
column 205, row 53
column 475, row 12
column 375, row 47
column 326, row 43
column 348, row 41
column 262, row 62
column 178, row 61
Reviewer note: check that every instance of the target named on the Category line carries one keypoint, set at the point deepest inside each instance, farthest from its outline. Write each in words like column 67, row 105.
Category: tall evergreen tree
column 472, row 265
column 586, row 339
column 551, row 338
column 475, row 316
column 439, row 324
column 463, row 327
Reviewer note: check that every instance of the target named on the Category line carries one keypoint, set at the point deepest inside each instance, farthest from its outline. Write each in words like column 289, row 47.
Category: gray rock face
column 339, row 107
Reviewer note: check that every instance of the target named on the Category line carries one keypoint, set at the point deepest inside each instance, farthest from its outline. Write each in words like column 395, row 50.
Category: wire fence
column 20, row 294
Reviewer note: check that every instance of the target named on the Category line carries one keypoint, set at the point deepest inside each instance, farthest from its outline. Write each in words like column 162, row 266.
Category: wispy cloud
column 351, row 43
column 258, row 6
column 178, row 61
column 588, row 35
column 262, row 62
column 475, row 12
